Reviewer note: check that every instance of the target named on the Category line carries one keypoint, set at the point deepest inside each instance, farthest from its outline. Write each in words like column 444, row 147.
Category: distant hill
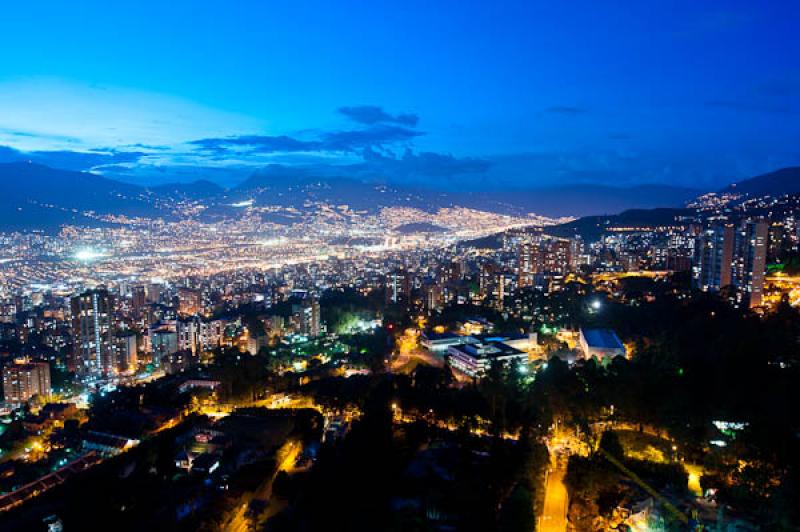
column 785, row 181
column 282, row 185
column 777, row 183
column 33, row 196
column 494, row 241
column 591, row 228
column 200, row 189
column 577, row 200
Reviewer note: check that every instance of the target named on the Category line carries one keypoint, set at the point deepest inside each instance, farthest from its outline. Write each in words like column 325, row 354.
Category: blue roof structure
column 602, row 339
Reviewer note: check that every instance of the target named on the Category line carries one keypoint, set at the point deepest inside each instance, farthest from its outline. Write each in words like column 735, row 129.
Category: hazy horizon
column 525, row 95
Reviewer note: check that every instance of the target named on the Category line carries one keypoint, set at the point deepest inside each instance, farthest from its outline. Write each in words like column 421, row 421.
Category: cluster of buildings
column 719, row 256
column 116, row 334
column 130, row 331
column 733, row 257
column 545, row 261
column 155, row 248
column 722, row 256
column 475, row 359
column 473, row 355
column 23, row 380
column 126, row 323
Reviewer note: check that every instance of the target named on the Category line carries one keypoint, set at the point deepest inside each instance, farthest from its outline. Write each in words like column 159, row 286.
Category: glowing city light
column 88, row 254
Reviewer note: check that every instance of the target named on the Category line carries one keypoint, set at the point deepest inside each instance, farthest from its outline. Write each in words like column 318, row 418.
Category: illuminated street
column 240, row 521
column 554, row 514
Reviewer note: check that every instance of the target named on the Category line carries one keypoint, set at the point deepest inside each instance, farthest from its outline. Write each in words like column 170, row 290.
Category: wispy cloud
column 372, row 114
column 26, row 134
column 420, row 166
column 382, row 149
column 335, row 141
column 256, row 143
column 378, row 135
column 71, row 160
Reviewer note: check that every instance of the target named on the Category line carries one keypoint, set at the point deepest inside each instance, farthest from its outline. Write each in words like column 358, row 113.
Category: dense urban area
column 506, row 374
column 399, row 266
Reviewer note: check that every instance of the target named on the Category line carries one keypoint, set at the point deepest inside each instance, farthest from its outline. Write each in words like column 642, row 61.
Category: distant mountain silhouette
column 591, row 228
column 200, row 189
column 577, row 200
column 777, row 183
column 33, row 196
column 289, row 188
column 282, row 185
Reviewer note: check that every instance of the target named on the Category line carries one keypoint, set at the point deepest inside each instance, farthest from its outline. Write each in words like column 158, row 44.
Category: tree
column 516, row 515
column 609, row 442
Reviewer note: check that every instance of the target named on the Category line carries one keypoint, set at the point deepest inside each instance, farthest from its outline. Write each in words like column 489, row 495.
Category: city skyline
column 451, row 96
column 363, row 267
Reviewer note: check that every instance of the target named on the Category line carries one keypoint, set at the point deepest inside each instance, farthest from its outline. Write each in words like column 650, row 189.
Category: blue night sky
column 450, row 94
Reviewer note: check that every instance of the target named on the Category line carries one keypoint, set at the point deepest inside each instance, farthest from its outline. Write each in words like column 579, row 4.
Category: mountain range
column 591, row 228
column 33, row 196
column 777, row 183
column 571, row 200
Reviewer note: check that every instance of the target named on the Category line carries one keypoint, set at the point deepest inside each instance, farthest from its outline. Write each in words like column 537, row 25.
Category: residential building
column 21, row 381
column 93, row 330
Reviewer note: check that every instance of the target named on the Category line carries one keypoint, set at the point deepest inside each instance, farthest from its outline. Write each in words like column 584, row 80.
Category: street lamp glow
column 596, row 304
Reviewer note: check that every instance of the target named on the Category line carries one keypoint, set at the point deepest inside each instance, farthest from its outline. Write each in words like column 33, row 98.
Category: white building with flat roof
column 440, row 342
column 475, row 359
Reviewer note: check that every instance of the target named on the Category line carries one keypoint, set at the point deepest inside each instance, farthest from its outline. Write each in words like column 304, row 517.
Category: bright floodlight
column 596, row 304
column 87, row 254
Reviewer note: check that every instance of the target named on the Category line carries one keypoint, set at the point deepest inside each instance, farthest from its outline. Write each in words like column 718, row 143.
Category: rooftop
column 432, row 336
column 602, row 338
column 488, row 350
